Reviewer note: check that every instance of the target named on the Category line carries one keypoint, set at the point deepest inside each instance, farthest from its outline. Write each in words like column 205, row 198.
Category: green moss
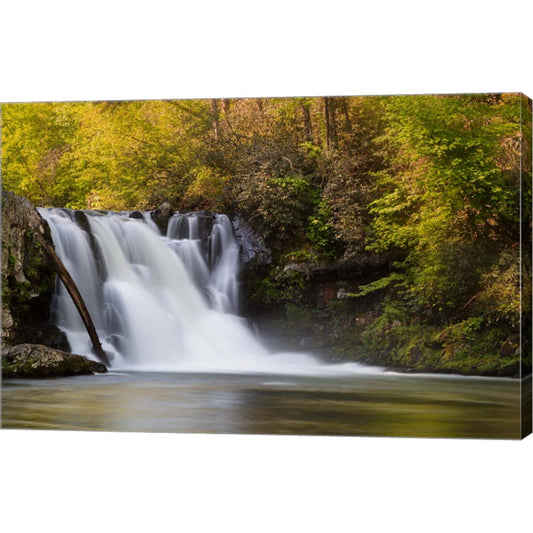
column 469, row 347
column 33, row 263
column 6, row 293
column 278, row 286
column 298, row 314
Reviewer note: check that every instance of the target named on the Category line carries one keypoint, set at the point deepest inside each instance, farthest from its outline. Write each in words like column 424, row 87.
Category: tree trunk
column 331, row 127
column 308, row 125
column 226, row 104
column 215, row 116
column 72, row 289
column 347, row 119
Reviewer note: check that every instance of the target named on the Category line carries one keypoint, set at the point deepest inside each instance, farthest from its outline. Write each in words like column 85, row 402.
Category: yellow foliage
column 207, row 190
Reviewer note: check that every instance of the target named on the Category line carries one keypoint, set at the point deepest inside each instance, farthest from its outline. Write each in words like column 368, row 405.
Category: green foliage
column 279, row 207
column 208, row 190
column 321, row 232
column 499, row 298
column 470, row 346
column 278, row 286
column 312, row 151
column 348, row 173
column 35, row 137
column 299, row 256
column 379, row 284
column 112, row 155
column 298, row 314
column 448, row 200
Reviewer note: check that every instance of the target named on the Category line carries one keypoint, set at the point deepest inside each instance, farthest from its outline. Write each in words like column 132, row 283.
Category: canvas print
column 306, row 266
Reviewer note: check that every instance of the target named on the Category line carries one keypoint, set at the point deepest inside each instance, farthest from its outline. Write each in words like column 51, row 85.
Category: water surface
column 381, row 404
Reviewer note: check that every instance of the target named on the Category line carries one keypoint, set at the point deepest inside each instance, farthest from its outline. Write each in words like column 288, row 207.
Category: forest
column 421, row 195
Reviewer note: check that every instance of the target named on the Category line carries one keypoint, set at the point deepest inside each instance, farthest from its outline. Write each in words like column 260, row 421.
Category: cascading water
column 162, row 303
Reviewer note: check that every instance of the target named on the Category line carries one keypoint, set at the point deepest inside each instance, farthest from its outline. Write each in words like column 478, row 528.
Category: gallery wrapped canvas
column 310, row 266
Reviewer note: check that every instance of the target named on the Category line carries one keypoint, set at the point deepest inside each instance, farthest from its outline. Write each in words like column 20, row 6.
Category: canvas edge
column 525, row 249
column 525, row 266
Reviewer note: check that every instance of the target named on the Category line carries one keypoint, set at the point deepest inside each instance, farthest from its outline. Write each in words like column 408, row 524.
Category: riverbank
column 323, row 316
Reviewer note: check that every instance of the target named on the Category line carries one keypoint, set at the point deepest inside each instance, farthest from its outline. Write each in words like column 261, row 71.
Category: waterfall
column 159, row 302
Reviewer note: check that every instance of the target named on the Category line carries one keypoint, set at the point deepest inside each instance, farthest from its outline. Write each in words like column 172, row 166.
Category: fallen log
column 72, row 289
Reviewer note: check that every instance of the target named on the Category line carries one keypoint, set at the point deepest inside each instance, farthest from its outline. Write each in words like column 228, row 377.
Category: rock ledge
column 38, row 361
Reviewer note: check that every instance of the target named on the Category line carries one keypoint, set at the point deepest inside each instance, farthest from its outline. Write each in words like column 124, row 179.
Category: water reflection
column 378, row 405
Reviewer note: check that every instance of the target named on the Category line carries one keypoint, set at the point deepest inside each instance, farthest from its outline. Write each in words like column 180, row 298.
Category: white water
column 163, row 303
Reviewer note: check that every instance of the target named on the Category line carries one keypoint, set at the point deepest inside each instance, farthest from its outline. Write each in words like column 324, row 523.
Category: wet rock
column 253, row 249
column 310, row 343
column 44, row 333
column 161, row 216
column 342, row 294
column 38, row 361
column 511, row 346
column 83, row 222
column 136, row 214
column 206, row 220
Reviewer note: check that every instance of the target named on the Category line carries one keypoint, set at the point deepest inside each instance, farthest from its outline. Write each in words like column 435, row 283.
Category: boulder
column 38, row 361
column 83, row 222
column 161, row 216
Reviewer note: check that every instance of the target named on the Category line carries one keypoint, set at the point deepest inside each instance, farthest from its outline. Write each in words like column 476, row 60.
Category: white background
column 76, row 481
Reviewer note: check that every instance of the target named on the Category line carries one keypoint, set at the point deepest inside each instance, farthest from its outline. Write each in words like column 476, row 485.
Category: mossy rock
column 38, row 361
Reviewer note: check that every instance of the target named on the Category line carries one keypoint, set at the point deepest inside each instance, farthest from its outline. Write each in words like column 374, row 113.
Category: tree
column 448, row 199
column 331, row 126
column 35, row 139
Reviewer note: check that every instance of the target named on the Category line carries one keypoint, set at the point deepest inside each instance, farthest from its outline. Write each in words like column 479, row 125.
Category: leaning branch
column 72, row 289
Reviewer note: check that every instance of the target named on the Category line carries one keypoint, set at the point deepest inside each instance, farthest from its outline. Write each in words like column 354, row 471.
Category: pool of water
column 381, row 404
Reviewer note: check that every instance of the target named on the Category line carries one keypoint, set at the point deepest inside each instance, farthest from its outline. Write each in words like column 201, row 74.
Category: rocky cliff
column 28, row 278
